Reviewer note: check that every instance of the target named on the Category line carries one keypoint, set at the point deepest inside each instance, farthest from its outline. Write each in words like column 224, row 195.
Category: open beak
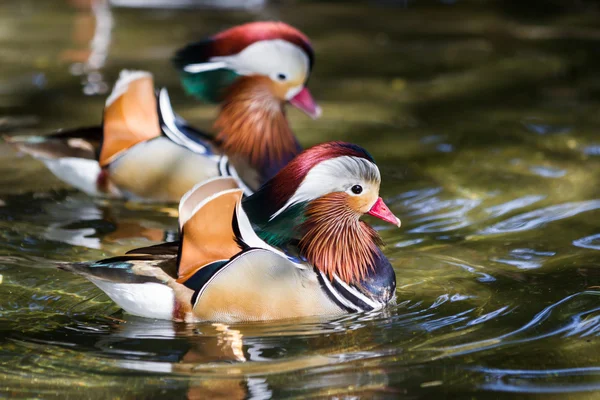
column 305, row 102
column 381, row 211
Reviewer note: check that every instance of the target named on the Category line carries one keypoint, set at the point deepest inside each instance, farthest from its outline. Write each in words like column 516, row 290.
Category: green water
column 484, row 119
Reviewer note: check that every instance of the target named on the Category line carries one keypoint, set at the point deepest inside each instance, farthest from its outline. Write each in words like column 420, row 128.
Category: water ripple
column 536, row 381
column 541, row 128
column 548, row 172
column 489, row 316
column 583, row 319
column 415, row 196
column 538, row 218
column 588, row 242
column 453, row 218
column 483, row 276
column 442, row 322
column 525, row 258
column 509, row 206
column 592, row 150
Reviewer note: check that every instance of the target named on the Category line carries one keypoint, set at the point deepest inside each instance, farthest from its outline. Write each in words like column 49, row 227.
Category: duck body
column 223, row 270
column 144, row 151
column 255, row 285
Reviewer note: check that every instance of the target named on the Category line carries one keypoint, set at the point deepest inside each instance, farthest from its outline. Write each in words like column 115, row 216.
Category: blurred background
column 483, row 117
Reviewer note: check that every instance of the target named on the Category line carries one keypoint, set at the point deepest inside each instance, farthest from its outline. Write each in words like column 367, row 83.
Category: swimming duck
column 144, row 151
column 294, row 248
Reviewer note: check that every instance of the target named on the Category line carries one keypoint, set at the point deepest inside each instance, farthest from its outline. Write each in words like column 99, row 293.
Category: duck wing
column 142, row 285
column 130, row 268
column 76, row 143
column 162, row 249
column 180, row 131
column 206, row 223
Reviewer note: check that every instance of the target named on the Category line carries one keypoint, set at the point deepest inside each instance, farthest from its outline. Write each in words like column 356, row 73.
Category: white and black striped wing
column 179, row 131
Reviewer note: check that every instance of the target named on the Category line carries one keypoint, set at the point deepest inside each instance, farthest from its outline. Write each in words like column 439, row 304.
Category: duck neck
column 252, row 125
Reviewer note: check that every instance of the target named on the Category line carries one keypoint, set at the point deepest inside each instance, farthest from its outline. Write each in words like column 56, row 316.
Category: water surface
column 483, row 117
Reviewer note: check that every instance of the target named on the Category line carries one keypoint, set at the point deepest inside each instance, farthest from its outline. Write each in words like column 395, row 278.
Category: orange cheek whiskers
column 335, row 241
column 252, row 122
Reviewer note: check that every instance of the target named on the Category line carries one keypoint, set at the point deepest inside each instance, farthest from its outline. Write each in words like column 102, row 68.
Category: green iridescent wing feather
column 283, row 230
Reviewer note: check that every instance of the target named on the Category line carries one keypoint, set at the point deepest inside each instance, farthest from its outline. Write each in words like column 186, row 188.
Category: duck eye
column 357, row 189
column 281, row 77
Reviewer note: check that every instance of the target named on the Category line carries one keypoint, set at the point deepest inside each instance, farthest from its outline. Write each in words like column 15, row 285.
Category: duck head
column 269, row 49
column 253, row 70
column 314, row 206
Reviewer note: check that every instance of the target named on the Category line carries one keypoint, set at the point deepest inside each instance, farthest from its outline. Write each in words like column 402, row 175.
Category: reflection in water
column 63, row 230
column 248, row 360
column 92, row 35
column 99, row 227
column 77, row 220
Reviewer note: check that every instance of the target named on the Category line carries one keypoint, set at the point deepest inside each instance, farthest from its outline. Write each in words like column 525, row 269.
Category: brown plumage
column 336, row 241
column 252, row 122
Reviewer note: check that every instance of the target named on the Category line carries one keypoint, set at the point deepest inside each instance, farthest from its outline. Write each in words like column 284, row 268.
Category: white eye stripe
column 269, row 58
column 203, row 67
column 338, row 174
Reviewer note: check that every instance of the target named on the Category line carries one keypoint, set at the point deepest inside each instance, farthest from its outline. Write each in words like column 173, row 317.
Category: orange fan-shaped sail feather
column 130, row 116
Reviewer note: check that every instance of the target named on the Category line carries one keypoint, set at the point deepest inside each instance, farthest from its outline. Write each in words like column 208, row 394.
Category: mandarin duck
column 144, row 151
column 295, row 248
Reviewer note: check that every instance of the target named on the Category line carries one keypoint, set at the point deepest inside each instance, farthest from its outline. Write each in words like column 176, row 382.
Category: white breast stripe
column 339, row 297
column 358, row 294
